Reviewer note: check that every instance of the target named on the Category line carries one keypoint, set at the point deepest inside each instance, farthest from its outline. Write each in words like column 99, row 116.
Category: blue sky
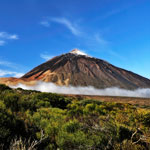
column 32, row 31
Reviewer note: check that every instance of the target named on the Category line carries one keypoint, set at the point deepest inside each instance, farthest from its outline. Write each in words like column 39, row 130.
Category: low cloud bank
column 114, row 91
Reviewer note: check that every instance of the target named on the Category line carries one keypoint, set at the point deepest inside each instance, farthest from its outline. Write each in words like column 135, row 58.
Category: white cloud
column 7, row 64
column 115, row 11
column 18, row 75
column 11, row 66
column 13, row 37
column 2, row 42
column 45, row 23
column 113, row 53
column 92, row 40
column 45, row 56
column 105, row 46
column 114, row 91
column 111, row 13
column 72, row 27
column 100, row 39
column 4, row 36
column 10, row 73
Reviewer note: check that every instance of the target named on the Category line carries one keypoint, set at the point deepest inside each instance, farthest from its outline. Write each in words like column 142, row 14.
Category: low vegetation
column 31, row 120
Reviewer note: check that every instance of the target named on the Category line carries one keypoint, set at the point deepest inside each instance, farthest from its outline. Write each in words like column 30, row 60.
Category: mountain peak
column 77, row 69
column 77, row 52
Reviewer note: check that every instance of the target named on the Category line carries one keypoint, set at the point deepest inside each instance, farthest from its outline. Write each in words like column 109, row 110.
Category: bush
column 146, row 119
column 68, row 123
column 3, row 87
column 11, row 101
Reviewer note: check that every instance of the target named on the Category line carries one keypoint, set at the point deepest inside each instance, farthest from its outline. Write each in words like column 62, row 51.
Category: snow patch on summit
column 78, row 52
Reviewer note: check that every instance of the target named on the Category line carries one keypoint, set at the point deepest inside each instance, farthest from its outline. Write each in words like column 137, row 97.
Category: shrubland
column 31, row 120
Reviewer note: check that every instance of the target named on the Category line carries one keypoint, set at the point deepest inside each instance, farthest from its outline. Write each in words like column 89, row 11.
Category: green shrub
column 11, row 101
column 146, row 119
column 3, row 87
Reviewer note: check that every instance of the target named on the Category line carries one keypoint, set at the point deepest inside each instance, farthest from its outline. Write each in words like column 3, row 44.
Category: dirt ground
column 118, row 99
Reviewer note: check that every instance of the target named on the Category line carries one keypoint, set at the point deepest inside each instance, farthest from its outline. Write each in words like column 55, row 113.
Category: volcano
column 78, row 69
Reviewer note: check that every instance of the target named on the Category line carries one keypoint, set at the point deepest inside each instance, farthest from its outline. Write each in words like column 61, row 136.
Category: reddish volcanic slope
column 78, row 69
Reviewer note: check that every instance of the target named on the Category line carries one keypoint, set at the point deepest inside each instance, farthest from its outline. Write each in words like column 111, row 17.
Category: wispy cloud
column 45, row 56
column 10, row 73
column 10, row 69
column 7, row 64
column 100, row 39
column 93, row 40
column 96, row 41
column 120, row 10
column 12, row 65
column 2, row 42
column 111, row 13
column 4, row 36
column 113, row 53
column 116, row 11
column 103, row 45
column 73, row 27
column 45, row 23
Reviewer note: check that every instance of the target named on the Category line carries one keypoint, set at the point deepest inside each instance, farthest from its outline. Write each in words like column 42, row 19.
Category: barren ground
column 118, row 99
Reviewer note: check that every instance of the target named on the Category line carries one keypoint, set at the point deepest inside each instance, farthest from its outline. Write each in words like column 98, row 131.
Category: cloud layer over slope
column 113, row 91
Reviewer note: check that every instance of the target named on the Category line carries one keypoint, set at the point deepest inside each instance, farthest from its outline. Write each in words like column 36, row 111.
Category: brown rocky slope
column 78, row 69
